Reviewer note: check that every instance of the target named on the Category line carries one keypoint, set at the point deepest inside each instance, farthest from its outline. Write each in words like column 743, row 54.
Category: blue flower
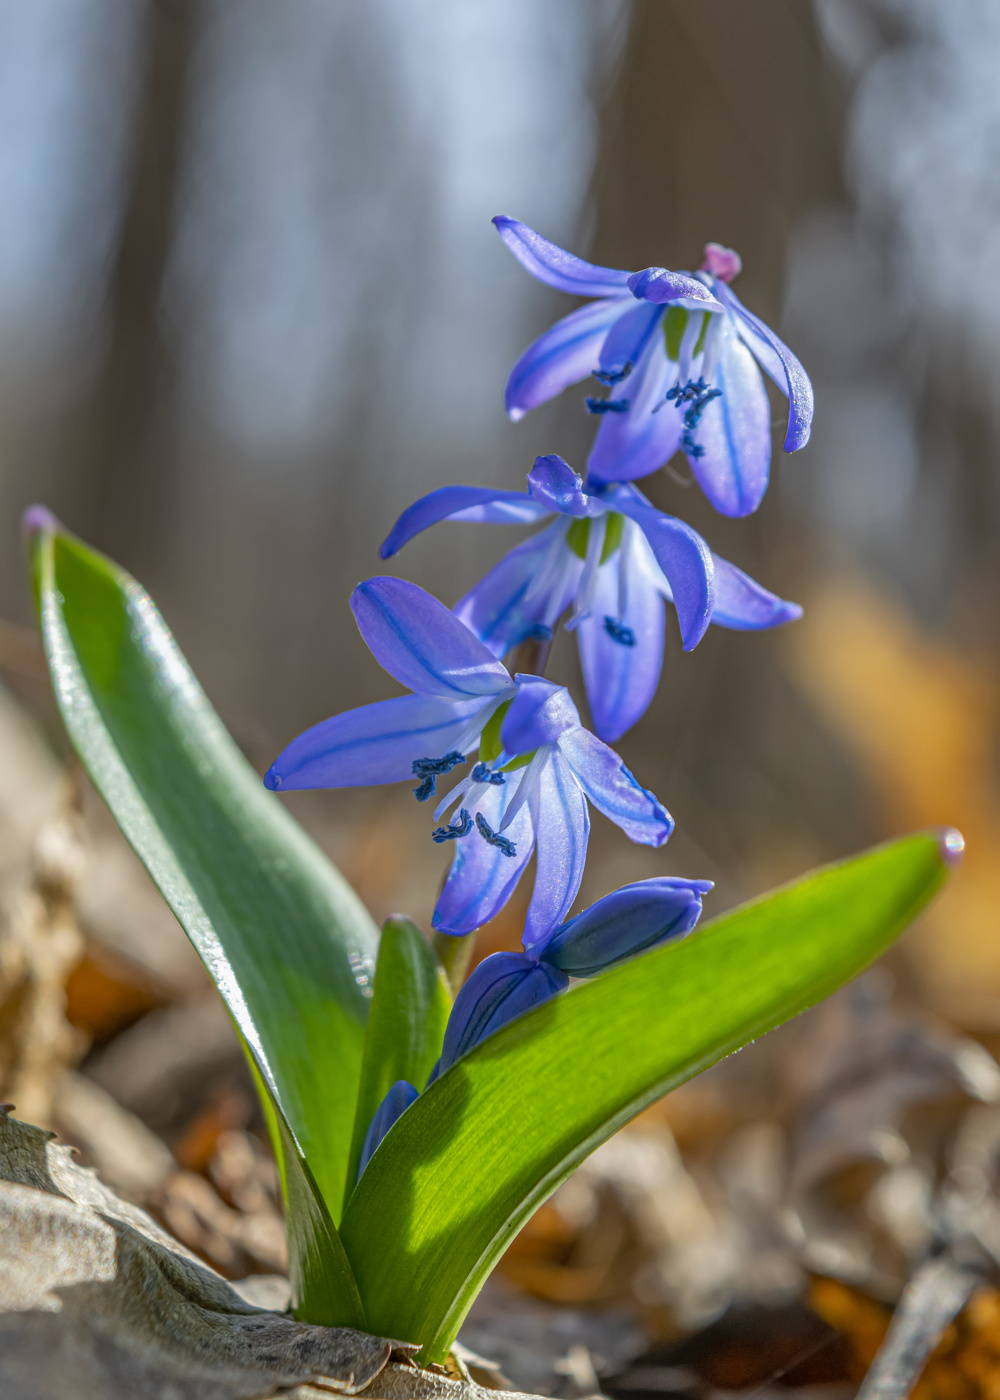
column 392, row 1108
column 629, row 921
column 612, row 557
column 679, row 354
column 537, row 772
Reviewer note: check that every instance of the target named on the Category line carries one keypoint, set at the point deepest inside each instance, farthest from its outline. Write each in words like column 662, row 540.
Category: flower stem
column 530, row 656
column 455, row 955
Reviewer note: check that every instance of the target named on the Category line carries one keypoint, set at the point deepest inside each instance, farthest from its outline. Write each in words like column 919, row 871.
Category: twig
column 933, row 1297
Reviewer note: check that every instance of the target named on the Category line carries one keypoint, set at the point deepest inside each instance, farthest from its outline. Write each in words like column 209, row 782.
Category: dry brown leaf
column 98, row 1303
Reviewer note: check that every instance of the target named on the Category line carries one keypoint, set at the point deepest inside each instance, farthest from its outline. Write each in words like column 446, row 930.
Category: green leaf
column 288, row 943
column 409, row 1012
column 324, row 1291
column 467, row 1164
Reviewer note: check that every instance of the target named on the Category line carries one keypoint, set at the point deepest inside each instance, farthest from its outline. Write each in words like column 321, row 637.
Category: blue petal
column 554, row 484
column 627, row 339
column 784, row 368
column 555, row 266
column 503, row 986
column 496, row 608
column 734, row 434
column 566, row 353
column 473, row 503
column 541, row 712
column 744, row 605
column 613, row 790
column 624, row 923
column 660, row 285
column 621, row 680
column 682, row 554
column 422, row 643
column 633, row 444
column 392, row 1107
column 562, row 830
column 482, row 878
column 374, row 744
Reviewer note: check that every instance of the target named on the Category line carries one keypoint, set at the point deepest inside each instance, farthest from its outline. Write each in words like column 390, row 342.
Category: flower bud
column 393, row 1106
column 624, row 923
column 502, row 986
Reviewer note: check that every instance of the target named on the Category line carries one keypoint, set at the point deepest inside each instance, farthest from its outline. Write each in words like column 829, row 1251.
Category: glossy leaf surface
column 466, row 1165
column 409, row 1012
column 286, row 940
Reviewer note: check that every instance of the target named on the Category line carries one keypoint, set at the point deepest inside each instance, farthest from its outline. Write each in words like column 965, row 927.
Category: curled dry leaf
column 98, row 1303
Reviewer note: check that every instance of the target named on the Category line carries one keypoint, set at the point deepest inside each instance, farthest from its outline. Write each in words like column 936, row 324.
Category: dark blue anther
column 430, row 769
column 696, row 393
column 606, row 405
column 427, row 788
column 541, row 631
column 613, row 376
column 456, row 831
column 618, row 632
column 484, row 774
column 493, row 838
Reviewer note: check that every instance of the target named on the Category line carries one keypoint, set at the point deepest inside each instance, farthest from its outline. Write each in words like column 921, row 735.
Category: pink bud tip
column 951, row 844
column 37, row 518
column 724, row 263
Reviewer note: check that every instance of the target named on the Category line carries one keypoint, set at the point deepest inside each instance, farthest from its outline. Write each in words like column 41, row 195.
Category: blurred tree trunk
column 723, row 124
column 126, row 447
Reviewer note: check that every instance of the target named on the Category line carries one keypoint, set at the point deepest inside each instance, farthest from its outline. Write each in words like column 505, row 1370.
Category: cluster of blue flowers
column 678, row 354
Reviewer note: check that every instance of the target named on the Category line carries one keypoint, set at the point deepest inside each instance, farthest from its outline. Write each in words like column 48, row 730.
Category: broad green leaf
column 409, row 1012
column 324, row 1291
column 286, row 940
column 467, row 1164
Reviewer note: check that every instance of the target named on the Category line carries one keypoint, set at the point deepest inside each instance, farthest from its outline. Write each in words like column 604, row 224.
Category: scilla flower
column 505, row 985
column 629, row 921
column 679, row 354
column 537, row 770
column 608, row 554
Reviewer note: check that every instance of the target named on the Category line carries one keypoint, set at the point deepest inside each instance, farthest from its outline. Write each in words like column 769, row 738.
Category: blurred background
column 251, row 306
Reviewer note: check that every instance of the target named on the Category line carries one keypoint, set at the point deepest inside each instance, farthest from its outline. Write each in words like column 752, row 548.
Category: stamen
column 483, row 774
column 698, row 395
column 618, row 632
column 611, row 376
column 430, row 769
column 540, row 631
column 457, row 829
column 600, row 406
column 502, row 843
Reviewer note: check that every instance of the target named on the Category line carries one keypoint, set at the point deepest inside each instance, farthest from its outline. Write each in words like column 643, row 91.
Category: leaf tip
column 38, row 520
column 951, row 844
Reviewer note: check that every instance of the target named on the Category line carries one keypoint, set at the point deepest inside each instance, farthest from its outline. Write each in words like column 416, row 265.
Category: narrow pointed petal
column 497, row 608
column 633, row 444
column 503, row 986
column 555, row 485
column 622, row 924
column 469, row 503
column 482, row 878
column 621, row 680
column 562, row 830
column 745, row 605
column 613, row 790
column 541, row 712
column 628, row 338
column 556, row 267
column 568, row 352
column 374, row 744
column 422, row 643
column 659, row 285
column 783, row 367
column 392, row 1108
column 683, row 556
column 735, row 432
